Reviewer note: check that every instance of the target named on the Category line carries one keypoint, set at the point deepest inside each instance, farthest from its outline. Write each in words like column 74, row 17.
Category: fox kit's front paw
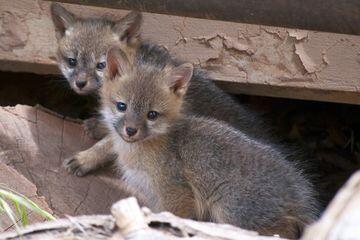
column 91, row 158
column 94, row 128
column 77, row 165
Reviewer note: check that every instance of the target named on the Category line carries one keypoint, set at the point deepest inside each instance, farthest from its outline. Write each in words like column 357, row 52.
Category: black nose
column 131, row 131
column 80, row 84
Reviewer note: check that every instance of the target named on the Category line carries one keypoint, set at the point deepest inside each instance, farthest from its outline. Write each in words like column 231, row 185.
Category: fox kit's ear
column 61, row 18
column 128, row 28
column 178, row 78
column 117, row 63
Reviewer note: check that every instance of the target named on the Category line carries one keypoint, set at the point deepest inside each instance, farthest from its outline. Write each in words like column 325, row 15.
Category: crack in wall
column 273, row 54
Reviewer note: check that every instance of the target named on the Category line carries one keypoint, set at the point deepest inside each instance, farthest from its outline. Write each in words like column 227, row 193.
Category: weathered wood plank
column 324, row 15
column 133, row 223
column 243, row 58
column 339, row 221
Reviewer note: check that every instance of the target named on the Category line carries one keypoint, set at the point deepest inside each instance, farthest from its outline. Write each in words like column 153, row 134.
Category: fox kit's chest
column 138, row 172
column 136, row 156
column 143, row 185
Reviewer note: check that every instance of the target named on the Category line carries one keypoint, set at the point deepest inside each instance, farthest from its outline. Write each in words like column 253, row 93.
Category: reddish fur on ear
column 117, row 62
column 111, row 64
column 128, row 28
column 61, row 18
column 179, row 78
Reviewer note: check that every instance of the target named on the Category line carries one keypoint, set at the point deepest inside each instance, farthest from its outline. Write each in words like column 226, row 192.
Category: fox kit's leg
column 95, row 128
column 223, row 212
column 267, row 219
column 90, row 159
column 177, row 199
column 227, row 199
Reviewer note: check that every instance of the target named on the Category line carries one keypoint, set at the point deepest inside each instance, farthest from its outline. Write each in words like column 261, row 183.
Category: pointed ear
column 117, row 63
column 61, row 18
column 128, row 28
column 178, row 78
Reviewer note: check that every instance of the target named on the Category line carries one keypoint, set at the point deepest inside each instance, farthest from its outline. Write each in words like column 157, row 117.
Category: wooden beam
column 129, row 221
column 323, row 15
column 339, row 221
column 242, row 58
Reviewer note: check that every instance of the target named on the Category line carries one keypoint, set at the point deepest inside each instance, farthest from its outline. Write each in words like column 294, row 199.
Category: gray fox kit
column 82, row 46
column 195, row 166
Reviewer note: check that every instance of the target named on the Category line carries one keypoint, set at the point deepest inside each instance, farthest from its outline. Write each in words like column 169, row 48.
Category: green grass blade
column 24, row 201
column 17, row 207
column 24, row 216
column 21, row 210
column 1, row 211
column 9, row 212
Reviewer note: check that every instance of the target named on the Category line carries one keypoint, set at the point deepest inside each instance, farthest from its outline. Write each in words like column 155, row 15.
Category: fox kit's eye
column 121, row 106
column 101, row 65
column 152, row 115
column 72, row 62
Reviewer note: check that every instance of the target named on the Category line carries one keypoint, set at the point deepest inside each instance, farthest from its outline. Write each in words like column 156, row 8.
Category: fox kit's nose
column 80, row 84
column 131, row 131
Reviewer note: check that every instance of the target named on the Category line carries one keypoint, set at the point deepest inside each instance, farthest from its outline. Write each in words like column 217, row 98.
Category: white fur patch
column 137, row 179
column 100, row 74
column 68, row 31
column 140, row 181
column 115, row 37
column 108, row 116
column 103, row 59
column 66, row 71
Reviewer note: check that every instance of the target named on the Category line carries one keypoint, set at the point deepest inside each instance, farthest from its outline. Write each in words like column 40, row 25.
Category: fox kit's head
column 83, row 43
column 141, row 101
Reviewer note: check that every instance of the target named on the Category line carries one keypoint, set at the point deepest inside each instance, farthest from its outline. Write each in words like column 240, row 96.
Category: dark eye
column 101, row 65
column 121, row 106
column 152, row 115
column 72, row 62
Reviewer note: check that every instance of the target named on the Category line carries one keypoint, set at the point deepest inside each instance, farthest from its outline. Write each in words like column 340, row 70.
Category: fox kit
column 196, row 166
column 82, row 46
column 81, row 53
